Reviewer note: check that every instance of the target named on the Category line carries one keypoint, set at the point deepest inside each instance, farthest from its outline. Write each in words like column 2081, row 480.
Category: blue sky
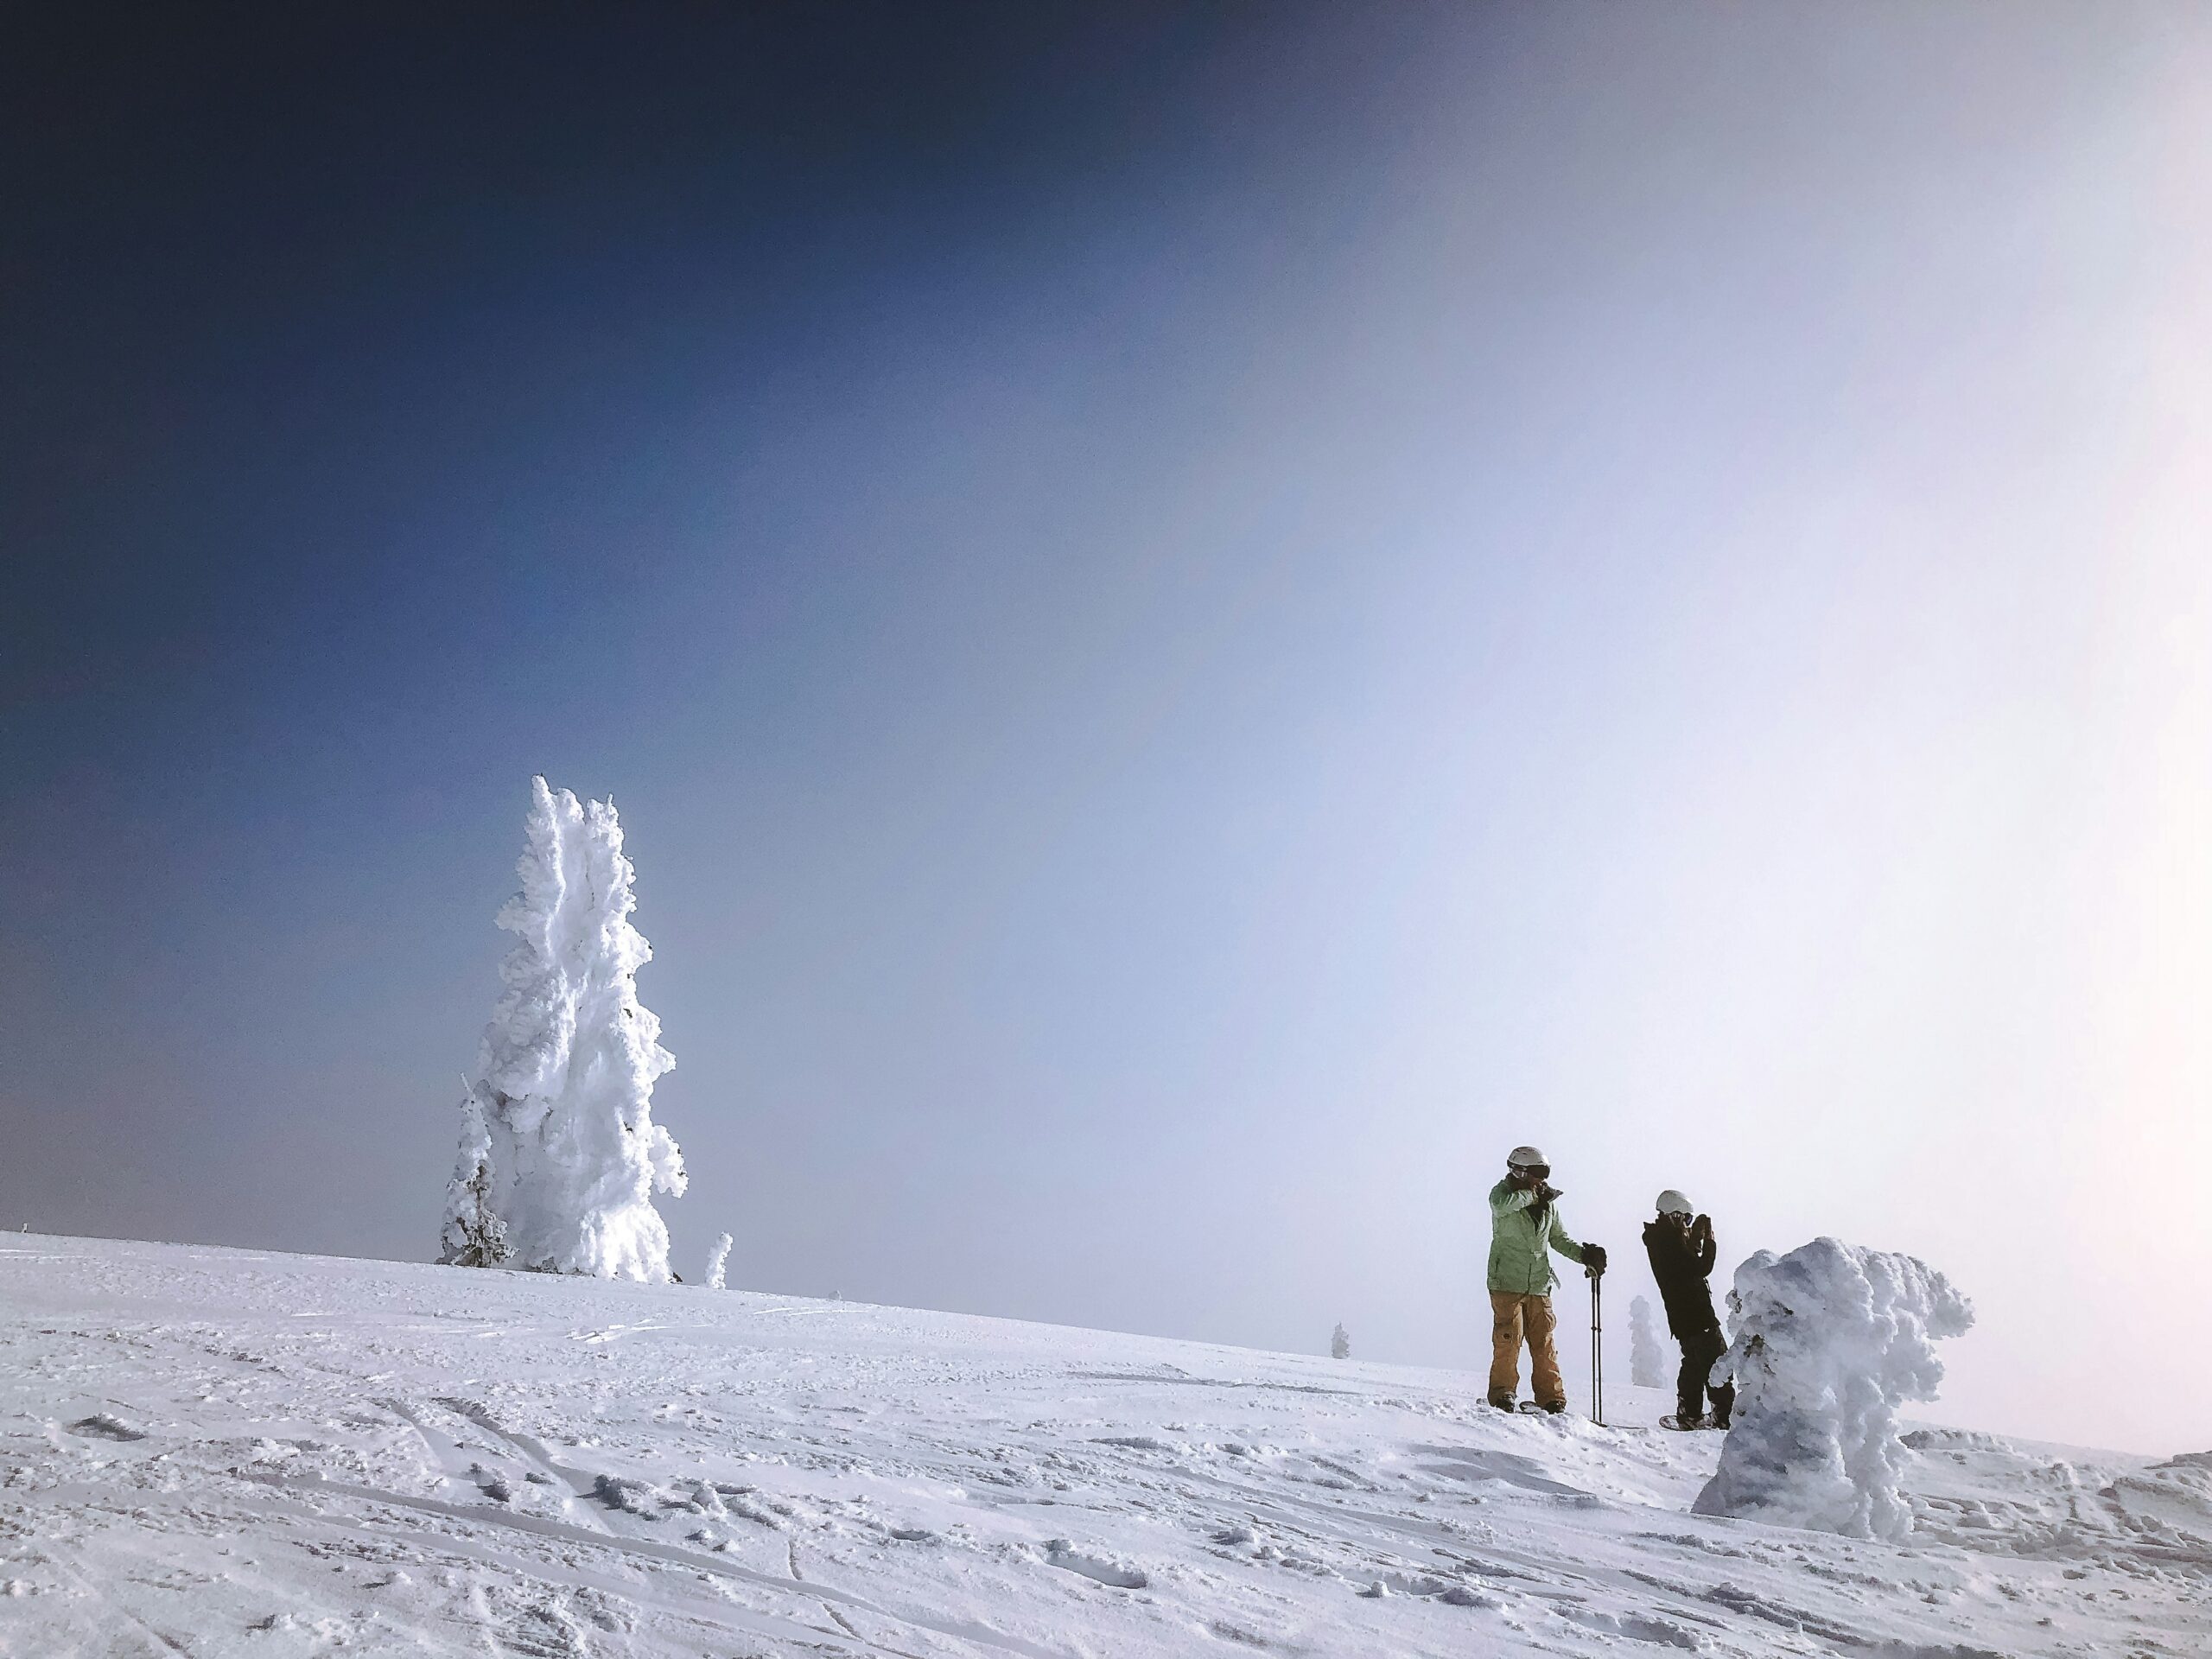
column 1200, row 622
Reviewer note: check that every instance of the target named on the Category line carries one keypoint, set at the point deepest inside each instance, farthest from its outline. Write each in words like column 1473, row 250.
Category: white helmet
column 1527, row 1158
column 1672, row 1203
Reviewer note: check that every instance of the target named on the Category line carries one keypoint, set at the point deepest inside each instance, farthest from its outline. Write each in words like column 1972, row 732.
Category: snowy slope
column 216, row 1452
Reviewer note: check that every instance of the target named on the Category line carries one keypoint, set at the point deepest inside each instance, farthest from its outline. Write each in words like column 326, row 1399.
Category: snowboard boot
column 1684, row 1421
column 1554, row 1408
column 1498, row 1402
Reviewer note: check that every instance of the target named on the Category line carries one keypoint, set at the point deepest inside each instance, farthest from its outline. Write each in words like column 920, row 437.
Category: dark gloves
column 1593, row 1257
column 1546, row 1193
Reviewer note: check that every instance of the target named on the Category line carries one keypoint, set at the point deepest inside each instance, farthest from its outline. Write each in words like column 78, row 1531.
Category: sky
column 1201, row 619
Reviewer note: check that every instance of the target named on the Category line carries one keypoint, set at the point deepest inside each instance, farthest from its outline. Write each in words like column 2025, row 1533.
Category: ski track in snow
column 216, row 1454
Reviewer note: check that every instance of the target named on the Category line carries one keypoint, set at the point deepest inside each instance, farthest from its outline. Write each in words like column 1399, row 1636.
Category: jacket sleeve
column 1705, row 1256
column 1560, row 1241
column 1504, row 1200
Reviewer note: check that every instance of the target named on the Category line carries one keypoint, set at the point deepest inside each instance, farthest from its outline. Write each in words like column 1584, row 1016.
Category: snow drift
column 1828, row 1342
column 559, row 1154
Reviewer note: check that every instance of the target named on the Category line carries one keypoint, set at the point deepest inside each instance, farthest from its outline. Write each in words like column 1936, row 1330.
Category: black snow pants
column 1700, row 1350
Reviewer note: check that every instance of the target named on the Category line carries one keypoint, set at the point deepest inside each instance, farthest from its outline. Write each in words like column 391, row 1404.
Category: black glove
column 1546, row 1193
column 1593, row 1257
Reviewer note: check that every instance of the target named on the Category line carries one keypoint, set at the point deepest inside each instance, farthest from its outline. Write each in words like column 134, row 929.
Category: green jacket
column 1519, row 1265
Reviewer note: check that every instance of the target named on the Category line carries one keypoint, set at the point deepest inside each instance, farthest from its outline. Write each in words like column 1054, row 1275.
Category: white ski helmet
column 1672, row 1203
column 1527, row 1158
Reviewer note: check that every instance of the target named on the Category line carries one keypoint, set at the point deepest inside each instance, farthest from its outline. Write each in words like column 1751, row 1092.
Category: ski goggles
column 1541, row 1172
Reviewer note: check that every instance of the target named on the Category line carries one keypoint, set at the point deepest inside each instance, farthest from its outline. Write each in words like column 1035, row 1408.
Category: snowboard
column 1673, row 1422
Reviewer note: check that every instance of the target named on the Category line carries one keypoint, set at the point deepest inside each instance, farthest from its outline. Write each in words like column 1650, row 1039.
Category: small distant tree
column 717, row 1261
column 1340, row 1342
column 474, row 1235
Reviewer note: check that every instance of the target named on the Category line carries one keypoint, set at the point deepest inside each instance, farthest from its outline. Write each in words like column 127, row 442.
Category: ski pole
column 1597, row 1348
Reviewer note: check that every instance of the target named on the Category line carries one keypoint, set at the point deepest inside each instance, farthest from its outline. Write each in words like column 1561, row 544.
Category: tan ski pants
column 1510, row 1317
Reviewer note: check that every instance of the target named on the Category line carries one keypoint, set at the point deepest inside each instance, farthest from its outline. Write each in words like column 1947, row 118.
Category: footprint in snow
column 1655, row 1632
column 744, row 1508
column 101, row 1427
column 1426, row 1584
column 631, row 1496
column 1059, row 1552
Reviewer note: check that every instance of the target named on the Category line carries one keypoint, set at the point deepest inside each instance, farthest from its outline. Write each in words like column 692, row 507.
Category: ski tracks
column 657, row 1553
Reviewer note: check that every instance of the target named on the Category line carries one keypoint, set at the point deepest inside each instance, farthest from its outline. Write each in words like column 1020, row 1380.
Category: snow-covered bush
column 1828, row 1342
column 1340, row 1342
column 718, row 1261
column 1647, row 1358
column 560, row 1156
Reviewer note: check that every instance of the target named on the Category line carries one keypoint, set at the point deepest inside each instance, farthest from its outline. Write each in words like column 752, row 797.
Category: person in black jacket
column 1681, row 1253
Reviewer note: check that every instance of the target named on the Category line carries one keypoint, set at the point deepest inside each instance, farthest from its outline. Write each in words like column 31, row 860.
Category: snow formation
column 1647, row 1360
column 560, row 1156
column 718, row 1263
column 1828, row 1342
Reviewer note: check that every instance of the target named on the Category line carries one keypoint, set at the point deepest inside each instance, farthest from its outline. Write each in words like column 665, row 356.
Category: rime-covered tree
column 1830, row 1341
column 1340, row 1342
column 718, row 1262
column 560, row 1157
column 1647, row 1358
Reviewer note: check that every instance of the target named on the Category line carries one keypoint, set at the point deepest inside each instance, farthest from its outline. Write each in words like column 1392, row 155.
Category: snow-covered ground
column 217, row 1452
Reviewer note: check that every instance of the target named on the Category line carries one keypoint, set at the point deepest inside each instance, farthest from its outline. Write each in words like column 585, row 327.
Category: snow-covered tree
column 1340, row 1342
column 1829, row 1341
column 1647, row 1356
column 718, row 1261
column 560, row 1156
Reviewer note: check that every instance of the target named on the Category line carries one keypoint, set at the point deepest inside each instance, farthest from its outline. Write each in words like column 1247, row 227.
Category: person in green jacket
column 1524, row 1230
